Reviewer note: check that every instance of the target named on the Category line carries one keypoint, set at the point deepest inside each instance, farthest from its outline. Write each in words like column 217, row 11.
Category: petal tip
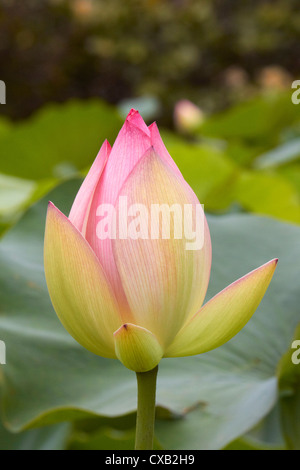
column 52, row 207
column 119, row 330
column 54, row 210
column 131, row 113
column 137, row 348
column 153, row 125
column 135, row 119
column 273, row 262
column 106, row 144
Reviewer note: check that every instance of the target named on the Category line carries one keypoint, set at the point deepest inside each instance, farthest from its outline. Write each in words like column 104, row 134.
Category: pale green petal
column 137, row 348
column 224, row 315
column 164, row 281
column 80, row 293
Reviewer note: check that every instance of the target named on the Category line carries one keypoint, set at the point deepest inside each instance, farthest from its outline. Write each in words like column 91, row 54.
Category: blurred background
column 214, row 53
column 212, row 73
column 217, row 77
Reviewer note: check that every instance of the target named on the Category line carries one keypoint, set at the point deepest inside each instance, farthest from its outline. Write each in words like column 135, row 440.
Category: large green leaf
column 213, row 398
column 56, row 143
column 58, row 140
column 258, row 120
column 220, row 183
column 289, row 382
column 285, row 153
column 46, row 438
column 266, row 435
column 5, row 126
column 205, row 167
column 290, row 416
column 14, row 192
column 292, row 173
column 267, row 193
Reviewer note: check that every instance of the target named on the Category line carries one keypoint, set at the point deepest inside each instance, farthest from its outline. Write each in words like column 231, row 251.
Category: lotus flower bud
column 128, row 270
column 187, row 116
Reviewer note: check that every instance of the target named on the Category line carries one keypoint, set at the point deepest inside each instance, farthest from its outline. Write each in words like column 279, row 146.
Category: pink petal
column 80, row 208
column 160, row 148
column 136, row 120
column 131, row 144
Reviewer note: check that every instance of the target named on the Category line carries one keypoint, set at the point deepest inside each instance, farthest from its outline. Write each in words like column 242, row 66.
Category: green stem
column 146, row 382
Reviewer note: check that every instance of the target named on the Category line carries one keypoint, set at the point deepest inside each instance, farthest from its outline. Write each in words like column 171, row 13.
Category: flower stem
column 146, row 382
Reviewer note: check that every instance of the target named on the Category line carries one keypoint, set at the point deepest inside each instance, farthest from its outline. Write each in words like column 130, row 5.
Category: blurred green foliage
column 245, row 158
